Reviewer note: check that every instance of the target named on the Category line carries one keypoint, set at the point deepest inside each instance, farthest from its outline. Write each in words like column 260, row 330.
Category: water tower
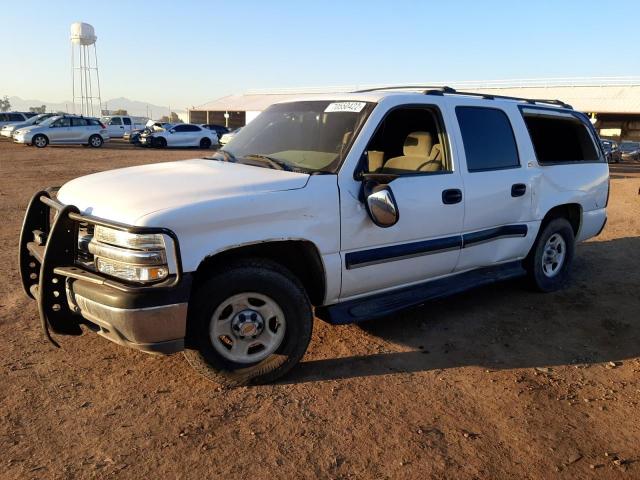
column 84, row 63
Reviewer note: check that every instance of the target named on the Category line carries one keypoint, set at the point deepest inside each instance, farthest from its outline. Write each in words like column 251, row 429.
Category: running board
column 387, row 303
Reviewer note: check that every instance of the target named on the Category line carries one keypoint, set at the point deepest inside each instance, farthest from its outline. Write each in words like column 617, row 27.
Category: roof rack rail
column 408, row 87
column 489, row 96
column 441, row 90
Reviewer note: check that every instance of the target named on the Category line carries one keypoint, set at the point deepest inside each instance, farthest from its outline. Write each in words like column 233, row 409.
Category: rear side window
column 78, row 122
column 559, row 137
column 3, row 117
column 126, row 120
column 16, row 117
column 489, row 143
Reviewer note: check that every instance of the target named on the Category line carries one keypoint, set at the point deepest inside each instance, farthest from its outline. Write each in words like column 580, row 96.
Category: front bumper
column 22, row 138
column 151, row 318
column 6, row 133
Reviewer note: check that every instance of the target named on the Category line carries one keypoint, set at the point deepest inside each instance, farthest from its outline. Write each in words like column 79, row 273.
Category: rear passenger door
column 497, row 184
column 79, row 130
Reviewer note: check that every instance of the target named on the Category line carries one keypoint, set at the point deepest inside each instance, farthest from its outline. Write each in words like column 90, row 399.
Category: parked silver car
column 64, row 130
column 8, row 129
column 13, row 117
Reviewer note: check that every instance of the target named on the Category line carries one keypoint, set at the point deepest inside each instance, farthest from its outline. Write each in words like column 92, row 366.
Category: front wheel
column 40, row 141
column 550, row 259
column 159, row 142
column 95, row 141
column 248, row 324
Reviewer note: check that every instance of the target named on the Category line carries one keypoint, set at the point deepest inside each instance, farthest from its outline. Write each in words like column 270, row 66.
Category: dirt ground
column 500, row 382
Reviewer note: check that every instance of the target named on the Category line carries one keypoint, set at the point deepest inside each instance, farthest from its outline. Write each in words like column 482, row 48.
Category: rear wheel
column 205, row 143
column 40, row 141
column 248, row 324
column 95, row 141
column 550, row 259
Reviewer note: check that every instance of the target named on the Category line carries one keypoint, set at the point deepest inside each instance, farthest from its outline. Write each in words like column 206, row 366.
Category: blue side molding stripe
column 505, row 231
column 399, row 252
column 393, row 253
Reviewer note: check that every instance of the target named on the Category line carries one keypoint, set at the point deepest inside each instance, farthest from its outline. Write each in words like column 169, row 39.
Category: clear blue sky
column 188, row 52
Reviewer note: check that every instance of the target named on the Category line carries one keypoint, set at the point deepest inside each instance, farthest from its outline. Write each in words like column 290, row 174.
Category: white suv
column 354, row 206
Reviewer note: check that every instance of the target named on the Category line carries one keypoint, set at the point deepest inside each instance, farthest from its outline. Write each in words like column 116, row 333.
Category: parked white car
column 7, row 130
column 353, row 205
column 14, row 117
column 181, row 135
column 227, row 137
column 64, row 130
column 118, row 125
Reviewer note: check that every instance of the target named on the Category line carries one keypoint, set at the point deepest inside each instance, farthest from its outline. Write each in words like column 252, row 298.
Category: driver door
column 410, row 145
column 60, row 131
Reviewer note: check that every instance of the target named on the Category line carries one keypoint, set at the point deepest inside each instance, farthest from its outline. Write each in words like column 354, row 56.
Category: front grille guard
column 47, row 258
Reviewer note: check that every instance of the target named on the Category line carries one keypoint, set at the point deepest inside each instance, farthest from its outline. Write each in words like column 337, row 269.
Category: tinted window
column 63, row 122
column 126, row 120
column 78, row 122
column 559, row 139
column 94, row 122
column 116, row 121
column 15, row 117
column 181, row 128
column 488, row 139
column 3, row 117
column 193, row 128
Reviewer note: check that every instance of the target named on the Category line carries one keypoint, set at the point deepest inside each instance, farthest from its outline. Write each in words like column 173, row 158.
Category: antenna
column 85, row 81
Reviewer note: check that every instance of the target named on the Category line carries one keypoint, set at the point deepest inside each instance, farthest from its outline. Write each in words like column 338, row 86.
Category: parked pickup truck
column 349, row 206
column 118, row 125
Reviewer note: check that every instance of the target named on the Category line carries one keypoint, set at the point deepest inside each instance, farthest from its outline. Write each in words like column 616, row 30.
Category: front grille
column 83, row 256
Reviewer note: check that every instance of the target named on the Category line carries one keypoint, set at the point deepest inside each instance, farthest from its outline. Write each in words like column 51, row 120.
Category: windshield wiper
column 276, row 163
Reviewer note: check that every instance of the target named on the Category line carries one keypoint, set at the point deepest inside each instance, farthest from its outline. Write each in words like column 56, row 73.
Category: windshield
column 629, row 146
column 49, row 121
column 308, row 136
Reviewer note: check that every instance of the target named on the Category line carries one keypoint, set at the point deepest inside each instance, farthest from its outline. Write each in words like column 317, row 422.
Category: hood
column 14, row 126
column 127, row 194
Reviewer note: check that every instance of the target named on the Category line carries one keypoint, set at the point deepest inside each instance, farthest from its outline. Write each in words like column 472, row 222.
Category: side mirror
column 380, row 203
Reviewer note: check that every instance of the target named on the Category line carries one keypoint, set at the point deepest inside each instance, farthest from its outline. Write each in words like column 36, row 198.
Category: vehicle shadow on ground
column 595, row 319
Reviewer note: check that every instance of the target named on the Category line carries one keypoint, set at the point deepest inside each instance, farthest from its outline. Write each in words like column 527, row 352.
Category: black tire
column 159, row 142
column 252, row 275
column 539, row 278
column 40, row 141
column 95, row 141
column 205, row 143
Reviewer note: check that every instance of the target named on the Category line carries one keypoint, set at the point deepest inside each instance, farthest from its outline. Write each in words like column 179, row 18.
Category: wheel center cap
column 247, row 323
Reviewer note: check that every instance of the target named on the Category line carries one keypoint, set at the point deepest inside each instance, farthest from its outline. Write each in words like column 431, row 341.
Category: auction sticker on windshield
column 345, row 107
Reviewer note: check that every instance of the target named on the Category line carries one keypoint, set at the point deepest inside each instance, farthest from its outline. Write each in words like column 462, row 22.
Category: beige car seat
column 420, row 155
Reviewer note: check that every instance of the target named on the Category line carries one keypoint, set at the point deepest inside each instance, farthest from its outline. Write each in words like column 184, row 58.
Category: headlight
column 130, row 256
column 128, row 240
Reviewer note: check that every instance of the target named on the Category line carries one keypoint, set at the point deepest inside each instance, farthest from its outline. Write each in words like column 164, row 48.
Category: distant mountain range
column 133, row 107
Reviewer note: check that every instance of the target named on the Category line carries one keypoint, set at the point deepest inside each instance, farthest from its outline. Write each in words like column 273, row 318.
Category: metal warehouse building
column 613, row 103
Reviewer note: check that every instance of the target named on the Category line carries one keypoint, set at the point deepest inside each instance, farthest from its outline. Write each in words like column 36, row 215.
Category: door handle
column 518, row 189
column 451, row 196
